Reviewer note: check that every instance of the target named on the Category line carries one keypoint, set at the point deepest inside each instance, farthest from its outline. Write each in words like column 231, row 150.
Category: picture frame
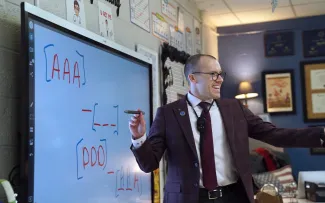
column 279, row 43
column 313, row 90
column 313, row 43
column 317, row 151
column 278, row 92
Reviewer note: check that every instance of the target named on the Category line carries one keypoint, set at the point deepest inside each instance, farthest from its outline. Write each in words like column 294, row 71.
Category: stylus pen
column 133, row 112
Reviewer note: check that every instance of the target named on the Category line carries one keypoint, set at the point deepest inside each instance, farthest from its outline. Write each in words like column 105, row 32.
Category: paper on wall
column 140, row 14
column 160, row 27
column 176, row 39
column 106, row 28
column 188, row 39
column 197, row 31
column 169, row 10
column 181, row 24
column 76, row 12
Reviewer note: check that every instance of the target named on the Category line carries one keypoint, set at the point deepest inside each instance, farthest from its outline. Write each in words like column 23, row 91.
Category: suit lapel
column 181, row 113
column 228, row 121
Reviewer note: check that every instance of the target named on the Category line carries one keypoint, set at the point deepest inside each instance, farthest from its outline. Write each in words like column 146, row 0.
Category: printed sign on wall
column 76, row 12
column 140, row 14
column 160, row 27
column 176, row 38
column 188, row 40
column 169, row 10
column 106, row 28
column 197, row 31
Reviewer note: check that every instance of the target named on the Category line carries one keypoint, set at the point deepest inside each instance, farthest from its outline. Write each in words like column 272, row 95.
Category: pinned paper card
column 160, row 27
column 176, row 38
column 140, row 13
column 106, row 28
column 188, row 39
column 169, row 10
column 197, row 30
column 180, row 21
column 76, row 12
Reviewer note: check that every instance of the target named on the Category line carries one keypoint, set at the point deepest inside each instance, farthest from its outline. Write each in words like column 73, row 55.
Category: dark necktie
column 207, row 152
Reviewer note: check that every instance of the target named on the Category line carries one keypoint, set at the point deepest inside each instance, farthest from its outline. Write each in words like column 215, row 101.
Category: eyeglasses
column 214, row 75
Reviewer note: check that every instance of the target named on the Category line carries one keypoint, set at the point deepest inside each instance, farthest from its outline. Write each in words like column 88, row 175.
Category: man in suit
column 206, row 140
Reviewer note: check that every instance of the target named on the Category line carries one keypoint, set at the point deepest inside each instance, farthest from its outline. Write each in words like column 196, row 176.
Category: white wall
column 210, row 42
column 209, row 34
column 126, row 34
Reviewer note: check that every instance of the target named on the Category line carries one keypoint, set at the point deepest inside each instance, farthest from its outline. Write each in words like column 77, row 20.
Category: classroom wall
column 241, row 54
column 210, row 41
column 126, row 34
column 9, row 85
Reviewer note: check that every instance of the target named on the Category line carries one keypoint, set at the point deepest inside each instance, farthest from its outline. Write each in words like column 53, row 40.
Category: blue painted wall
column 241, row 55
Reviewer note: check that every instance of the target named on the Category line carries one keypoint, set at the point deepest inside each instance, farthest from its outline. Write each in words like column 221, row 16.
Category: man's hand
column 137, row 126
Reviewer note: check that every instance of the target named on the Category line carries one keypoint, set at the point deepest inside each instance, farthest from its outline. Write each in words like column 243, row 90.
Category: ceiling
column 219, row 13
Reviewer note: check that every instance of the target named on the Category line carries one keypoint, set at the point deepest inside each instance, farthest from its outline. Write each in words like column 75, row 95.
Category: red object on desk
column 270, row 165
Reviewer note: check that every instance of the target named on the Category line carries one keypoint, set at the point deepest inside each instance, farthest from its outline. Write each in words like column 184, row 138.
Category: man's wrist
column 138, row 141
column 136, row 138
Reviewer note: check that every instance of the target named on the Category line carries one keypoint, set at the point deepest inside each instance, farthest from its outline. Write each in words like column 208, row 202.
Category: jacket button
column 195, row 184
column 196, row 165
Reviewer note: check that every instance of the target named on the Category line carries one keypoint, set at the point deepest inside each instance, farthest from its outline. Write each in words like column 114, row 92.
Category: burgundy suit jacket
column 172, row 132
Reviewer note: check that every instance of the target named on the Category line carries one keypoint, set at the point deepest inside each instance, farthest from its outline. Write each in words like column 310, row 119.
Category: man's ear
column 191, row 78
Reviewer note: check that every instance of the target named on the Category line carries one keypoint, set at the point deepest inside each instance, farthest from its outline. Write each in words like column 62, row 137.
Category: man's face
column 206, row 81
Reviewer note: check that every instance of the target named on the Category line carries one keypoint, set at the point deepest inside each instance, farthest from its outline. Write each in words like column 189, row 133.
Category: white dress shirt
column 225, row 170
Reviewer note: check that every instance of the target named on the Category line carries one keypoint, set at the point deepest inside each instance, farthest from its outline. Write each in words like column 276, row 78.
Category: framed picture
column 313, row 90
column 313, row 43
column 279, row 44
column 278, row 92
column 317, row 151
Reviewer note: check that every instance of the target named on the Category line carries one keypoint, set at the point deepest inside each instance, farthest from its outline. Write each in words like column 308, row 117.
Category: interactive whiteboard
column 78, row 135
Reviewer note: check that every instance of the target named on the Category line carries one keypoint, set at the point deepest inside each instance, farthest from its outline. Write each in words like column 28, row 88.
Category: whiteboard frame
column 155, row 72
column 26, row 149
column 156, row 91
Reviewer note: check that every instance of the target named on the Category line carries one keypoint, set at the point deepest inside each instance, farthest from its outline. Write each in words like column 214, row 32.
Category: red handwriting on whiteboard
column 97, row 156
column 124, row 184
column 128, row 180
column 137, row 183
column 64, row 69
column 98, row 124
column 90, row 156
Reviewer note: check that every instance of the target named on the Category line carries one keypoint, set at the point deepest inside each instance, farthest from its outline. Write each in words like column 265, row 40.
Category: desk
column 287, row 200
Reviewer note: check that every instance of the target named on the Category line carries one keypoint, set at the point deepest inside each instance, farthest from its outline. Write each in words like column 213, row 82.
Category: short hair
column 75, row 3
column 191, row 64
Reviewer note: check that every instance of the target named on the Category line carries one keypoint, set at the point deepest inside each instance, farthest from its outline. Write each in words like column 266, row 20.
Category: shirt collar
column 196, row 101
